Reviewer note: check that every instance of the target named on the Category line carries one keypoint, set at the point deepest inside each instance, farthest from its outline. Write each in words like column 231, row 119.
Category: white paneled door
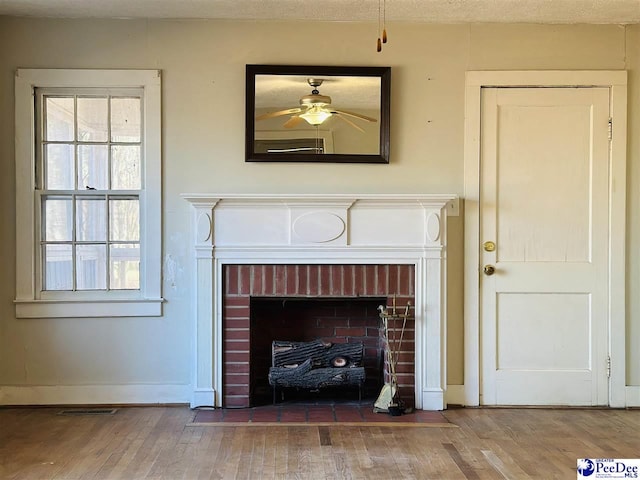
column 544, row 226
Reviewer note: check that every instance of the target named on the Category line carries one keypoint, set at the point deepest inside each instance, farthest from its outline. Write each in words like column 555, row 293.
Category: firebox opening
column 334, row 320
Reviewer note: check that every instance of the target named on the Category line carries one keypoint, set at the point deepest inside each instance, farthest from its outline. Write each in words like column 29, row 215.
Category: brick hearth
column 242, row 283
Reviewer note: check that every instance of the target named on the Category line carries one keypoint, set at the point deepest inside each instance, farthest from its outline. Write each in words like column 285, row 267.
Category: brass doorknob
column 489, row 269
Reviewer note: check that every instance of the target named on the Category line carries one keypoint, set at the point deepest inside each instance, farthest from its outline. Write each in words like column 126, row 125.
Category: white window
column 88, row 193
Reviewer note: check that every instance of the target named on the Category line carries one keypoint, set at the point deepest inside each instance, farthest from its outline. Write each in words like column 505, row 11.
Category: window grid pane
column 59, row 166
column 91, row 142
column 93, row 171
column 124, row 219
column 57, row 218
column 91, row 262
column 91, row 219
column 125, row 119
column 124, row 266
column 58, row 267
column 60, row 121
column 92, row 117
column 125, row 167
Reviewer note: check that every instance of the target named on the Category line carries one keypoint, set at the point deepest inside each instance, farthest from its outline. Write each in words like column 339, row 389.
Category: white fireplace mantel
column 321, row 229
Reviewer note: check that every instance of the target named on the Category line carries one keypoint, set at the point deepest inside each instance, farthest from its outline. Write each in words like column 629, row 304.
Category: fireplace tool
column 389, row 399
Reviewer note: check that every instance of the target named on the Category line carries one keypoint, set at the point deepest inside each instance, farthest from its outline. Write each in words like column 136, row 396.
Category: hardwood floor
column 158, row 443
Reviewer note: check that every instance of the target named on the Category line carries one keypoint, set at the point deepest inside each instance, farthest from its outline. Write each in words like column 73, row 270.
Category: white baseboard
column 150, row 394
column 455, row 395
column 203, row 397
column 94, row 394
column 433, row 400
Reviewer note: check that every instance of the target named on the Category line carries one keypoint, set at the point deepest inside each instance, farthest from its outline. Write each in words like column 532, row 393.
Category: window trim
column 29, row 302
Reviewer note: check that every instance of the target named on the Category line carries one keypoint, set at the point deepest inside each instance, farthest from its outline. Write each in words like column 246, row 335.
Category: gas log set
column 315, row 365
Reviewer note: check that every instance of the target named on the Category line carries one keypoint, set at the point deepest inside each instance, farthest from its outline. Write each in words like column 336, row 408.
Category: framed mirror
column 317, row 114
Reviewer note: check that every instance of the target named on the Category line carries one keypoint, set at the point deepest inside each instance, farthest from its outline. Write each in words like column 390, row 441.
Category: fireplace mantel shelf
column 389, row 199
column 344, row 229
column 305, row 196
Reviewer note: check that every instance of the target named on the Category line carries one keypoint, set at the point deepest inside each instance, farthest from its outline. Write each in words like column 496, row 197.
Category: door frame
column 616, row 81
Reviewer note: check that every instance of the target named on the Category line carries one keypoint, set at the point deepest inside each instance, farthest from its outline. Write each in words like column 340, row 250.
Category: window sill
column 88, row 308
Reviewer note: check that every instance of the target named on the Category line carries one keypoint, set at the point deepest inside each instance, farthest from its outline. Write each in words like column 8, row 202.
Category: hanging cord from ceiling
column 382, row 20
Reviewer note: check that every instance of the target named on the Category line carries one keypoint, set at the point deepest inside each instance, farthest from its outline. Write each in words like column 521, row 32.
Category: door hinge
column 608, row 366
column 610, row 128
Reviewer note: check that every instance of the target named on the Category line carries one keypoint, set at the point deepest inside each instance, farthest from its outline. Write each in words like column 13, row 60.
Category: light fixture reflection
column 315, row 115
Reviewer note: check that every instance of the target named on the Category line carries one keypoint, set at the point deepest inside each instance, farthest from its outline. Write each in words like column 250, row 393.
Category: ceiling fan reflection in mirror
column 315, row 109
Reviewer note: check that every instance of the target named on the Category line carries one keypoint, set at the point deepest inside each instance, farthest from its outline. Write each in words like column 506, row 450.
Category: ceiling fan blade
column 345, row 119
column 353, row 114
column 292, row 122
column 264, row 116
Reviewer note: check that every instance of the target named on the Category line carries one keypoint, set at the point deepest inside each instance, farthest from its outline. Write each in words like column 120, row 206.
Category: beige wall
column 203, row 138
column 633, row 207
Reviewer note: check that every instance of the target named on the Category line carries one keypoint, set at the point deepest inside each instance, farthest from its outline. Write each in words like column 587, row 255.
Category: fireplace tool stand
column 394, row 324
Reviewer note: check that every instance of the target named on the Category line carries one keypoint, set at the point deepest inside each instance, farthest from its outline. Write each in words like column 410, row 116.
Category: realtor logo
column 586, row 467
column 608, row 468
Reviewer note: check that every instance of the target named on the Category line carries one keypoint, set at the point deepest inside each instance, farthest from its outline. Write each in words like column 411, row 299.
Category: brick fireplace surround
column 244, row 282
column 316, row 246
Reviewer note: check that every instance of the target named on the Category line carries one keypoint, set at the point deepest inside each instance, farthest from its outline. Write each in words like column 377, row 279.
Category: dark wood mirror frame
column 383, row 73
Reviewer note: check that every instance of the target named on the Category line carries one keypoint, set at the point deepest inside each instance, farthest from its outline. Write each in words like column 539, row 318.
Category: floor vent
column 89, row 411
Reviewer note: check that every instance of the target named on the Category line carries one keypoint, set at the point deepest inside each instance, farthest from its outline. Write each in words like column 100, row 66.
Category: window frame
column 30, row 302
column 75, row 191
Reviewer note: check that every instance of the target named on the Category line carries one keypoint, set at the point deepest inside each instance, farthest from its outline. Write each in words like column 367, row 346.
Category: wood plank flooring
column 159, row 443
